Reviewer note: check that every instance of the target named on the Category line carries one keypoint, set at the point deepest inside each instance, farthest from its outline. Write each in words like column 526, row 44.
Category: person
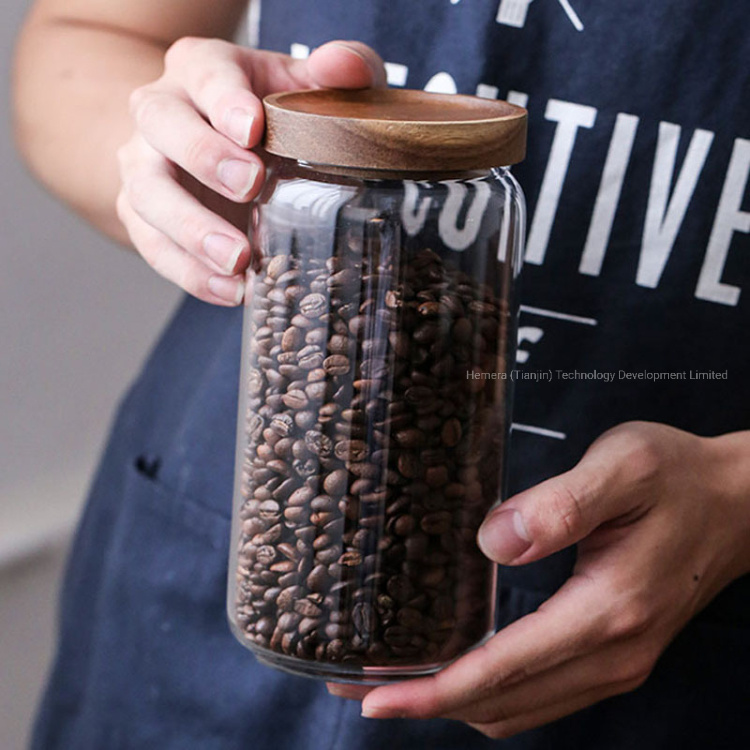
column 625, row 597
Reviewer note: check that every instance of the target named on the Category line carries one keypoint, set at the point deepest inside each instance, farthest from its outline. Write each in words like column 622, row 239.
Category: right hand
column 187, row 171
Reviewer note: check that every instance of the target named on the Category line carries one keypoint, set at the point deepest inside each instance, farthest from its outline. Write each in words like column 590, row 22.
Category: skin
column 662, row 522
column 145, row 130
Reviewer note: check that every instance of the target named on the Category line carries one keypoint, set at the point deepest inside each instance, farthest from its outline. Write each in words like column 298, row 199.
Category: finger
column 172, row 127
column 175, row 264
column 162, row 203
column 553, row 635
column 346, row 65
column 338, row 64
column 615, row 668
column 609, row 483
column 508, row 727
column 214, row 75
column 351, row 692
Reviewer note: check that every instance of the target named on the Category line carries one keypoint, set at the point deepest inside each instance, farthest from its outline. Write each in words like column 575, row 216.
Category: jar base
column 346, row 673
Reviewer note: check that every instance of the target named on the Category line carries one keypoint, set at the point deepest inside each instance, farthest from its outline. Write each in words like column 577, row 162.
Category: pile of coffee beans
column 373, row 452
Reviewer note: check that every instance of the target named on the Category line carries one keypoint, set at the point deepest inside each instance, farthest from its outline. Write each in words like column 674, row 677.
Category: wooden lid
column 395, row 129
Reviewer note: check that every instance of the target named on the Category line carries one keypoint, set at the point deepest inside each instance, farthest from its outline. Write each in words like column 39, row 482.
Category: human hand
column 187, row 172
column 662, row 521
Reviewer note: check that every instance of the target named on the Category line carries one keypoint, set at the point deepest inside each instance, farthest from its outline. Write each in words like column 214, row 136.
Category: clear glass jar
column 375, row 403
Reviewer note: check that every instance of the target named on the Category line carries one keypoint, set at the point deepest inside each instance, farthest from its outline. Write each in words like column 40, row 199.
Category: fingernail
column 238, row 176
column 349, row 48
column 503, row 536
column 379, row 77
column 239, row 123
column 231, row 290
column 223, row 250
column 375, row 712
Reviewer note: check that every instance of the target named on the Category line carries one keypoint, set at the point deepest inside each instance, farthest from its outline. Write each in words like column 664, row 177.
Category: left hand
column 662, row 522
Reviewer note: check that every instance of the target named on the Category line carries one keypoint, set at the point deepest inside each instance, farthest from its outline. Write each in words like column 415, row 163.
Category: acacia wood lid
column 395, row 129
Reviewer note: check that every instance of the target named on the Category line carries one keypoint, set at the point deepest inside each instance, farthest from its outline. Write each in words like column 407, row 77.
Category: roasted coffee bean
column 371, row 456
column 436, row 476
column 292, row 339
column 318, row 578
column 318, row 443
column 400, row 588
column 364, row 618
column 313, row 305
column 316, row 391
column 295, row 399
column 307, row 608
column 351, row 450
column 335, row 483
column 451, row 433
column 277, row 265
column 282, row 424
column 336, row 364
column 411, row 438
column 351, row 559
column 310, row 357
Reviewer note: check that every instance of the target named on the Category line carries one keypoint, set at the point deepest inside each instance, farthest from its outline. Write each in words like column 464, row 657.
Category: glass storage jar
column 375, row 400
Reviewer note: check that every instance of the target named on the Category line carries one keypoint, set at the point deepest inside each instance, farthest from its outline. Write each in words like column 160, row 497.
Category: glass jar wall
column 374, row 414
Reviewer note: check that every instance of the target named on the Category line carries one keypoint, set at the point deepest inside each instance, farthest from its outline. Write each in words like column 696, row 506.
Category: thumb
column 549, row 517
column 346, row 65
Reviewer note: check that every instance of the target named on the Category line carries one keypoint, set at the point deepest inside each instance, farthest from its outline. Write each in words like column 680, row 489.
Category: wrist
column 729, row 476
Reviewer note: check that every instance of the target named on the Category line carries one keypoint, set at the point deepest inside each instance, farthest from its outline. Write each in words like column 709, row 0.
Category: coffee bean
column 307, row 608
column 310, row 357
column 364, row 618
column 318, row 443
column 282, row 424
column 313, row 305
column 295, row 399
column 338, row 344
column 370, row 457
column 350, row 450
column 335, row 483
column 436, row 476
column 292, row 339
column 400, row 588
column 411, row 438
column 451, row 433
column 336, row 364
column 318, row 579
column 277, row 265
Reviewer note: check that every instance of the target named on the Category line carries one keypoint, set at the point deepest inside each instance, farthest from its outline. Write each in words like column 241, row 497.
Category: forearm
column 72, row 85
column 77, row 63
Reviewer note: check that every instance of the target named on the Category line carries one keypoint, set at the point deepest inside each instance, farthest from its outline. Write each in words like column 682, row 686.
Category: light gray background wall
column 77, row 315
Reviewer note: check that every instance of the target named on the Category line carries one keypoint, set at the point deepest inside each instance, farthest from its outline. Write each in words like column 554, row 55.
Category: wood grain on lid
column 395, row 129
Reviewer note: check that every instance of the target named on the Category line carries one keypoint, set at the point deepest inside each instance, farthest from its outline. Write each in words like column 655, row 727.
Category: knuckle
column 137, row 101
column 201, row 156
column 192, row 228
column 629, row 620
column 500, row 731
column 149, row 251
column 121, row 208
column 567, row 508
column 193, row 281
column 633, row 673
column 137, row 190
column 181, row 51
column 147, row 107
column 642, row 449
